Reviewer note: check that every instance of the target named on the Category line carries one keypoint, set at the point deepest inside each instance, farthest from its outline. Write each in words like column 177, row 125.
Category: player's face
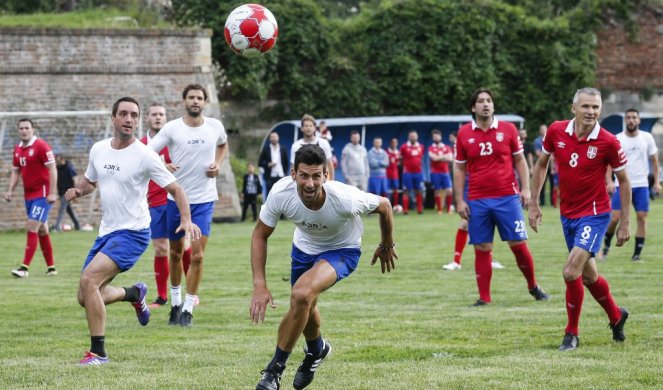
column 309, row 180
column 308, row 129
column 522, row 134
column 394, row 143
column 632, row 120
column 413, row 137
column 587, row 109
column 156, row 118
column 484, row 108
column 354, row 138
column 25, row 131
column 437, row 138
column 377, row 143
column 194, row 102
column 125, row 120
column 274, row 138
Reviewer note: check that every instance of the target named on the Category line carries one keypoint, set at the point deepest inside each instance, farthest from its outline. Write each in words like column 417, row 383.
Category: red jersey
column 412, row 156
column 31, row 161
column 582, row 165
column 394, row 160
column 439, row 150
column 488, row 156
column 157, row 196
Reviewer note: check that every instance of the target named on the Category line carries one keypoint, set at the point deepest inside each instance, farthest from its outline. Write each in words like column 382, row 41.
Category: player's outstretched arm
column 190, row 229
column 13, row 181
column 538, row 177
column 623, row 231
column 459, row 190
column 261, row 295
column 386, row 250
column 82, row 188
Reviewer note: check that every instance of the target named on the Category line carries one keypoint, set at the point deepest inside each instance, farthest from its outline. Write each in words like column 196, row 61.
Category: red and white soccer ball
column 251, row 30
column 398, row 209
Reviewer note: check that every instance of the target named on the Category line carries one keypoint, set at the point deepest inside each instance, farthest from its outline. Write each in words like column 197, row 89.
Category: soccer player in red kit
column 584, row 151
column 440, row 155
column 157, row 198
column 35, row 163
column 412, row 153
column 393, row 177
column 488, row 150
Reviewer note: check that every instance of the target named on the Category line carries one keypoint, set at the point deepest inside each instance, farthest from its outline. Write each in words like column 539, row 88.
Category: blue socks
column 315, row 346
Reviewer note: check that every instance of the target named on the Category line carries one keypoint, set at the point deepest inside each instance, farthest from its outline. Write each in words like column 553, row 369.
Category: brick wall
column 70, row 70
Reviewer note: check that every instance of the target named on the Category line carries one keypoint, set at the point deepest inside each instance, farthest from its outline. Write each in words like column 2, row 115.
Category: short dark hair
column 475, row 97
column 124, row 99
column 354, row 132
column 26, row 120
column 155, row 105
column 435, row 131
column 454, row 133
column 311, row 154
column 632, row 109
column 194, row 87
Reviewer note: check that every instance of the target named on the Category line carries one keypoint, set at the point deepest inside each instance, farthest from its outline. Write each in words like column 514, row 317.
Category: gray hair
column 586, row 91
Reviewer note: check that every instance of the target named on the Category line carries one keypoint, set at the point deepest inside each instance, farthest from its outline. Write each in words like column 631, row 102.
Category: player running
column 583, row 151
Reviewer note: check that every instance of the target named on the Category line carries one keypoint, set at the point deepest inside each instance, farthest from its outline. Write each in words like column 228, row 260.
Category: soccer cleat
column 453, row 266
column 158, row 302
column 271, row 377
column 618, row 328
column 142, row 311
column 538, row 293
column 306, row 371
column 496, row 265
column 479, row 302
column 186, row 318
column 92, row 359
column 175, row 314
column 569, row 343
column 635, row 258
column 51, row 272
column 20, row 273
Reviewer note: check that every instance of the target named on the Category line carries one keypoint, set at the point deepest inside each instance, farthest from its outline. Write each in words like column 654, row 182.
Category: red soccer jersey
column 488, row 156
column 439, row 166
column 582, row 165
column 412, row 156
column 157, row 196
column 31, row 161
column 394, row 160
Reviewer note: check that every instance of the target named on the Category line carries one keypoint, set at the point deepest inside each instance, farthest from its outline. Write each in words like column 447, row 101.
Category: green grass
column 412, row 329
column 91, row 18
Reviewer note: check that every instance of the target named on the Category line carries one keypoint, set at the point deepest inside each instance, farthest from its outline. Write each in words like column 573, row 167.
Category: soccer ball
column 251, row 30
column 398, row 209
column 66, row 227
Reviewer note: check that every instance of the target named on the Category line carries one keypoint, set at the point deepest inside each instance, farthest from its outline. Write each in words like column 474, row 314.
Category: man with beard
column 197, row 147
column 639, row 147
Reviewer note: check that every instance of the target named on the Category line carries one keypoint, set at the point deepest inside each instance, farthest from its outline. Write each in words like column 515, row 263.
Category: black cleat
column 538, row 293
column 271, row 377
column 569, row 343
column 186, row 319
column 175, row 313
column 618, row 328
column 635, row 258
column 306, row 370
column 479, row 302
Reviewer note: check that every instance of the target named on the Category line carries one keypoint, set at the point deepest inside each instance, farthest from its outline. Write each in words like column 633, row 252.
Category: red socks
column 601, row 292
column 406, row 202
column 420, row 203
column 161, row 273
column 575, row 293
column 30, row 248
column 438, row 202
column 484, row 272
column 46, row 249
column 461, row 240
column 448, row 202
column 525, row 263
column 186, row 260
column 395, row 196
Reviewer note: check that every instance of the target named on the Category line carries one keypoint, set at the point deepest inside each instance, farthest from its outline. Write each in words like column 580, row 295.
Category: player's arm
column 433, row 156
column 386, row 250
column 523, row 173
column 538, row 178
column 13, row 182
column 220, row 154
column 609, row 182
column 655, row 170
column 53, row 183
column 459, row 171
column 330, row 169
column 261, row 295
column 83, row 187
column 623, row 232
column 190, row 229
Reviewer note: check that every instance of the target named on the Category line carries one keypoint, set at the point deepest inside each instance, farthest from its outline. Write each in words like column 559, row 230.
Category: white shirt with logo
column 193, row 150
column 638, row 150
column 337, row 224
column 122, row 176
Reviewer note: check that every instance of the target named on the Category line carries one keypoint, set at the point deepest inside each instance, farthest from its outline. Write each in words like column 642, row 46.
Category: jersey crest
column 591, row 152
column 499, row 136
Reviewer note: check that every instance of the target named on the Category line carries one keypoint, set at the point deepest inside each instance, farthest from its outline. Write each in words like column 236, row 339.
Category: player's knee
column 197, row 258
column 570, row 274
column 588, row 280
column 641, row 216
column 87, row 282
column 301, row 296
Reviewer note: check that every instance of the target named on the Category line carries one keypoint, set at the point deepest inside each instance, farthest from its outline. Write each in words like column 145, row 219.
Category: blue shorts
column 440, row 181
column 124, row 247
column 378, row 185
column 585, row 232
column 412, row 181
column 555, row 179
column 343, row 260
column 504, row 212
column 201, row 215
column 639, row 198
column 158, row 225
column 37, row 209
column 393, row 184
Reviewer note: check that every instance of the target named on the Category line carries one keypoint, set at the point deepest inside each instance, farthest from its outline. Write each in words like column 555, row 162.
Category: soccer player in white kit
column 121, row 167
column 326, row 249
column 197, row 147
column 640, row 148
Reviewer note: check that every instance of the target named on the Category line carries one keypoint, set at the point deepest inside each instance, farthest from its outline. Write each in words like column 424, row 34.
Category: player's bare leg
column 610, row 232
column 193, row 277
column 176, row 271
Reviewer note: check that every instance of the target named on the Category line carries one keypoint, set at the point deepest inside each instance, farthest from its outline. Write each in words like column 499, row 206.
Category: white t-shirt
column 323, row 143
column 193, row 150
column 122, row 177
column 337, row 224
column 638, row 150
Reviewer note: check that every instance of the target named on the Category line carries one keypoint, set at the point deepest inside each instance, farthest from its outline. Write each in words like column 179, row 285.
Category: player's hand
column 610, row 187
column 657, row 187
column 190, row 229
column 72, row 193
column 8, row 196
column 623, row 233
column 51, row 198
column 172, row 168
column 261, row 297
column 213, row 170
column 386, row 254
column 463, row 209
column 534, row 216
column 525, row 196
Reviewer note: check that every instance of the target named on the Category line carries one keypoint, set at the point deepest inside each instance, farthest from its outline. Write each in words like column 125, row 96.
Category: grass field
column 412, row 329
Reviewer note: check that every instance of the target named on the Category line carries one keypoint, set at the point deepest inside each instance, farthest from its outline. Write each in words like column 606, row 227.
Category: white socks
column 188, row 303
column 176, row 295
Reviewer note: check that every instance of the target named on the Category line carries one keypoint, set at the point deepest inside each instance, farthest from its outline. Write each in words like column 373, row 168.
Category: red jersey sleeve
column 515, row 144
column 617, row 157
column 45, row 153
column 460, row 151
column 15, row 162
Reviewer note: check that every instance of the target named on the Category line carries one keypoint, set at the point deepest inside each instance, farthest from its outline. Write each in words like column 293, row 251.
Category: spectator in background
column 393, row 170
column 66, row 175
column 378, row 161
column 528, row 149
column 354, row 162
column 273, row 160
column 324, row 132
column 440, row 156
column 538, row 144
column 250, row 189
column 413, row 178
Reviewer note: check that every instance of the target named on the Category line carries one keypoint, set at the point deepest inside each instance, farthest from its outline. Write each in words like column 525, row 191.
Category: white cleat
column 453, row 266
column 496, row 265
column 20, row 273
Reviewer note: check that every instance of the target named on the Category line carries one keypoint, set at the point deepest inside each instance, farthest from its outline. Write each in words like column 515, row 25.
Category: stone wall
column 88, row 69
